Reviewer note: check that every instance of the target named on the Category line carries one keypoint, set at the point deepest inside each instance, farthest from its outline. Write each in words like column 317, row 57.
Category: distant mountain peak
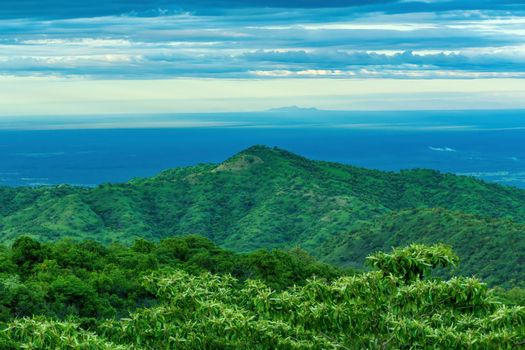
column 264, row 151
column 257, row 148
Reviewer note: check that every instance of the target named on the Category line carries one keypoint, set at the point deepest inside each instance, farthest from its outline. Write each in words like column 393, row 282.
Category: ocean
column 489, row 145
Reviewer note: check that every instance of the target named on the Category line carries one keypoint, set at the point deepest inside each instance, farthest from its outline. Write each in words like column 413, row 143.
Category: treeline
column 91, row 281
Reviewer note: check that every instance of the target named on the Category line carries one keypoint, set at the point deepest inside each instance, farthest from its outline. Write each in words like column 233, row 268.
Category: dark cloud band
column 248, row 39
column 54, row 9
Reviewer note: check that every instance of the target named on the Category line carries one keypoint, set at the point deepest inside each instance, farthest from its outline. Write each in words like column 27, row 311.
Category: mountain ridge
column 265, row 197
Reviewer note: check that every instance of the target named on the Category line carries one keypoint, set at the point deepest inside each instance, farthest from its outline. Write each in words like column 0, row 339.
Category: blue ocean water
column 88, row 157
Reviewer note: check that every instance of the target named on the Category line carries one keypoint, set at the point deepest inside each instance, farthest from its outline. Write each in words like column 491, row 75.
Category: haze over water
column 486, row 144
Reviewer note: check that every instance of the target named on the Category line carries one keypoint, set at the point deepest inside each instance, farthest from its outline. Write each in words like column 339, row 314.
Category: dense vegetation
column 492, row 249
column 118, row 266
column 399, row 306
column 270, row 198
column 89, row 281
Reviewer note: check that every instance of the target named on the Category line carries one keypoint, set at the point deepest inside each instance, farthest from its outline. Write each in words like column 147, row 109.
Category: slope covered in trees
column 492, row 249
column 267, row 198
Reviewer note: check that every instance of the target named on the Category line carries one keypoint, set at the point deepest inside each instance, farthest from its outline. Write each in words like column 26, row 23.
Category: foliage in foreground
column 397, row 307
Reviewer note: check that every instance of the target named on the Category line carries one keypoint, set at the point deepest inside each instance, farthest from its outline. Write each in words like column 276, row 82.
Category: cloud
column 441, row 149
column 97, row 8
column 188, row 45
column 252, row 39
column 476, row 60
column 55, row 9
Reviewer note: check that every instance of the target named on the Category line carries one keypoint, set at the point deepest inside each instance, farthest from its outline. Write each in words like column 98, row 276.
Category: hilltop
column 270, row 198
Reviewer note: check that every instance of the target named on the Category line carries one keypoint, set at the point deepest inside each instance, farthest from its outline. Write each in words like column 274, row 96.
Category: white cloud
column 336, row 42
column 91, row 42
column 401, row 27
column 441, row 149
column 248, row 59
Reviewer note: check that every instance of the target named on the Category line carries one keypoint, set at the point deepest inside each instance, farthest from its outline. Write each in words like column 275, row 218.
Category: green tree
column 27, row 253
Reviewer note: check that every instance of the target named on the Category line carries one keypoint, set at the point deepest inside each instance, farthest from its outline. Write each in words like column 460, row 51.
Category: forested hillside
column 113, row 267
column 270, row 198
column 492, row 249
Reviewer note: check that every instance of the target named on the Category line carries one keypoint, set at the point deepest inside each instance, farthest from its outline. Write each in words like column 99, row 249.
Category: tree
column 26, row 253
column 413, row 262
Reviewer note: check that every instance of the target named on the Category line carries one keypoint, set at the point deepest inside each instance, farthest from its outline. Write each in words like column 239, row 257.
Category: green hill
column 270, row 198
column 492, row 249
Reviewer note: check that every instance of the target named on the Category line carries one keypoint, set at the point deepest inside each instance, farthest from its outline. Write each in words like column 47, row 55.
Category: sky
column 60, row 57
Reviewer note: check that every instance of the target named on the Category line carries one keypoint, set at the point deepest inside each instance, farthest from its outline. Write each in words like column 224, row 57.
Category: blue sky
column 81, row 57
